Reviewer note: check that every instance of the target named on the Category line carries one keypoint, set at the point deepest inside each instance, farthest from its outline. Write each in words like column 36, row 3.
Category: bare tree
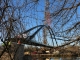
column 17, row 16
column 65, row 16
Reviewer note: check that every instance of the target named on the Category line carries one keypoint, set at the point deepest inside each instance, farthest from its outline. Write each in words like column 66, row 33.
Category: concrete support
column 19, row 53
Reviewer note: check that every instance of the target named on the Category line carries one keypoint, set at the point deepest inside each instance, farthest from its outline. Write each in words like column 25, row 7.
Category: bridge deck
column 30, row 42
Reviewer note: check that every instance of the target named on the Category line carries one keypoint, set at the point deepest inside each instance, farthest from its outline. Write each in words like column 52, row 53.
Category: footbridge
column 27, row 37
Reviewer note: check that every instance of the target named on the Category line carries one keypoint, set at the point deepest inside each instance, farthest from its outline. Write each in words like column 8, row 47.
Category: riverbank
column 52, row 55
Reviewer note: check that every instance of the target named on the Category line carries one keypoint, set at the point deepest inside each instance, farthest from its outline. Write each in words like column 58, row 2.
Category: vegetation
column 18, row 16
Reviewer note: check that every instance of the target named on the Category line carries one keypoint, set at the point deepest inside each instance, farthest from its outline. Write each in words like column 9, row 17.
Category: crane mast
column 46, row 21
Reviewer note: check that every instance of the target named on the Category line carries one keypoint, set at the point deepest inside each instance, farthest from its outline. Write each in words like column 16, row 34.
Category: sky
column 33, row 14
